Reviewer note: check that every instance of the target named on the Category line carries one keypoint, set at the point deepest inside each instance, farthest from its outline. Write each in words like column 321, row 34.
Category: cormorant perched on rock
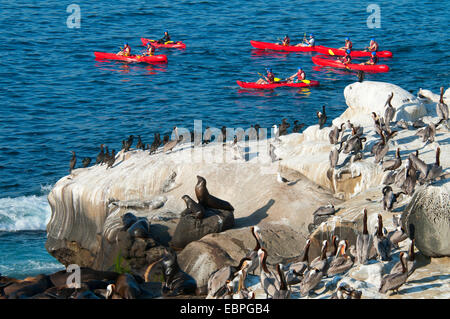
column 207, row 135
column 106, row 156
column 156, row 143
column 165, row 139
column 112, row 159
column 297, row 127
column 139, row 144
column 73, row 161
column 283, row 127
column 360, row 76
column 224, row 134
column 322, row 116
column 100, row 155
column 86, row 161
column 128, row 143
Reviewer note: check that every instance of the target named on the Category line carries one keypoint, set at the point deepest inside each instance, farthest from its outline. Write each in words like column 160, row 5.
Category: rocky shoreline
column 87, row 226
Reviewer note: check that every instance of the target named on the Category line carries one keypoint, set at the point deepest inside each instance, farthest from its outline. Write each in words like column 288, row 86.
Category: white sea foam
column 24, row 213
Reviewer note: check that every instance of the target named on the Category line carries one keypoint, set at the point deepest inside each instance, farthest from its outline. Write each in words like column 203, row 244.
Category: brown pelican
column 354, row 144
column 377, row 123
column 389, row 198
column 294, row 271
column 427, row 133
column 325, row 210
column 409, row 182
column 390, row 111
column 321, row 262
column 410, row 262
column 418, row 123
column 396, row 236
column 395, row 280
column 334, row 156
column 382, row 149
column 442, row 108
column 364, row 243
column 283, row 292
column 310, row 281
column 434, row 170
column 393, row 164
column 99, row 158
column 269, row 281
column 284, row 126
column 334, row 134
column 253, row 255
column 334, row 242
column 382, row 244
column 344, row 291
column 342, row 262
column 73, row 161
column 322, row 116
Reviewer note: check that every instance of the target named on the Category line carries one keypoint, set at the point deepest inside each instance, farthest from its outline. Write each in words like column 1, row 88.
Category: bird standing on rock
column 100, row 155
column 73, row 161
column 322, row 116
column 86, row 161
column 111, row 159
column 442, row 108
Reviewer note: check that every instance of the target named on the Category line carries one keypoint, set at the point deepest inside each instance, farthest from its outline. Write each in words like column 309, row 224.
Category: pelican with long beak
column 382, row 244
column 283, row 292
column 342, row 262
column 253, row 255
column 410, row 262
column 269, row 281
column 396, row 280
column 294, row 272
column 364, row 243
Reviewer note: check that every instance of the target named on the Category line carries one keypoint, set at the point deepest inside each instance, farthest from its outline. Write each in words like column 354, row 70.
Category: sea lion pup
column 126, row 287
column 27, row 289
column 86, row 161
column 73, row 161
column 192, row 207
column 389, row 198
column 176, row 282
column 322, row 117
column 140, row 229
column 100, row 156
column 208, row 200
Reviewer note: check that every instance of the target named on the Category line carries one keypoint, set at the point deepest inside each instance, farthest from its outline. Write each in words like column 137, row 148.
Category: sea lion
column 193, row 207
column 140, row 229
column 59, row 278
column 126, row 287
column 27, row 289
column 128, row 219
column 206, row 199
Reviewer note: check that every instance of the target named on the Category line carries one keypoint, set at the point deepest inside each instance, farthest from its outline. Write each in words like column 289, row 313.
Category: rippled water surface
column 57, row 97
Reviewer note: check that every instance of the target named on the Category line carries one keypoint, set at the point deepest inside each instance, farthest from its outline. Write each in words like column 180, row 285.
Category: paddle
column 330, row 52
column 306, row 81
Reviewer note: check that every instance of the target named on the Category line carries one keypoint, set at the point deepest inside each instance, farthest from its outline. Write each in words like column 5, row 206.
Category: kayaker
column 300, row 74
column 269, row 78
column 307, row 43
column 150, row 49
column 348, row 44
column 373, row 59
column 165, row 39
column 286, row 41
column 373, row 46
column 126, row 51
column 347, row 58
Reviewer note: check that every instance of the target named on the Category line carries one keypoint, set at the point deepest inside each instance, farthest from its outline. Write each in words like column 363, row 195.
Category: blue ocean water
column 57, row 97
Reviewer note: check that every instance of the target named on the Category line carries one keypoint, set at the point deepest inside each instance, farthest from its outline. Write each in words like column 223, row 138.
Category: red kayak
column 169, row 45
column 161, row 58
column 279, row 47
column 324, row 60
column 317, row 48
column 353, row 54
column 253, row 85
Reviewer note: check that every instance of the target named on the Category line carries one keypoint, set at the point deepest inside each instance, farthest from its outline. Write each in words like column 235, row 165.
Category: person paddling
column 373, row 59
column 300, row 74
column 347, row 58
column 126, row 51
column 348, row 44
column 150, row 49
column 307, row 43
column 373, row 46
column 286, row 41
column 268, row 79
column 165, row 39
